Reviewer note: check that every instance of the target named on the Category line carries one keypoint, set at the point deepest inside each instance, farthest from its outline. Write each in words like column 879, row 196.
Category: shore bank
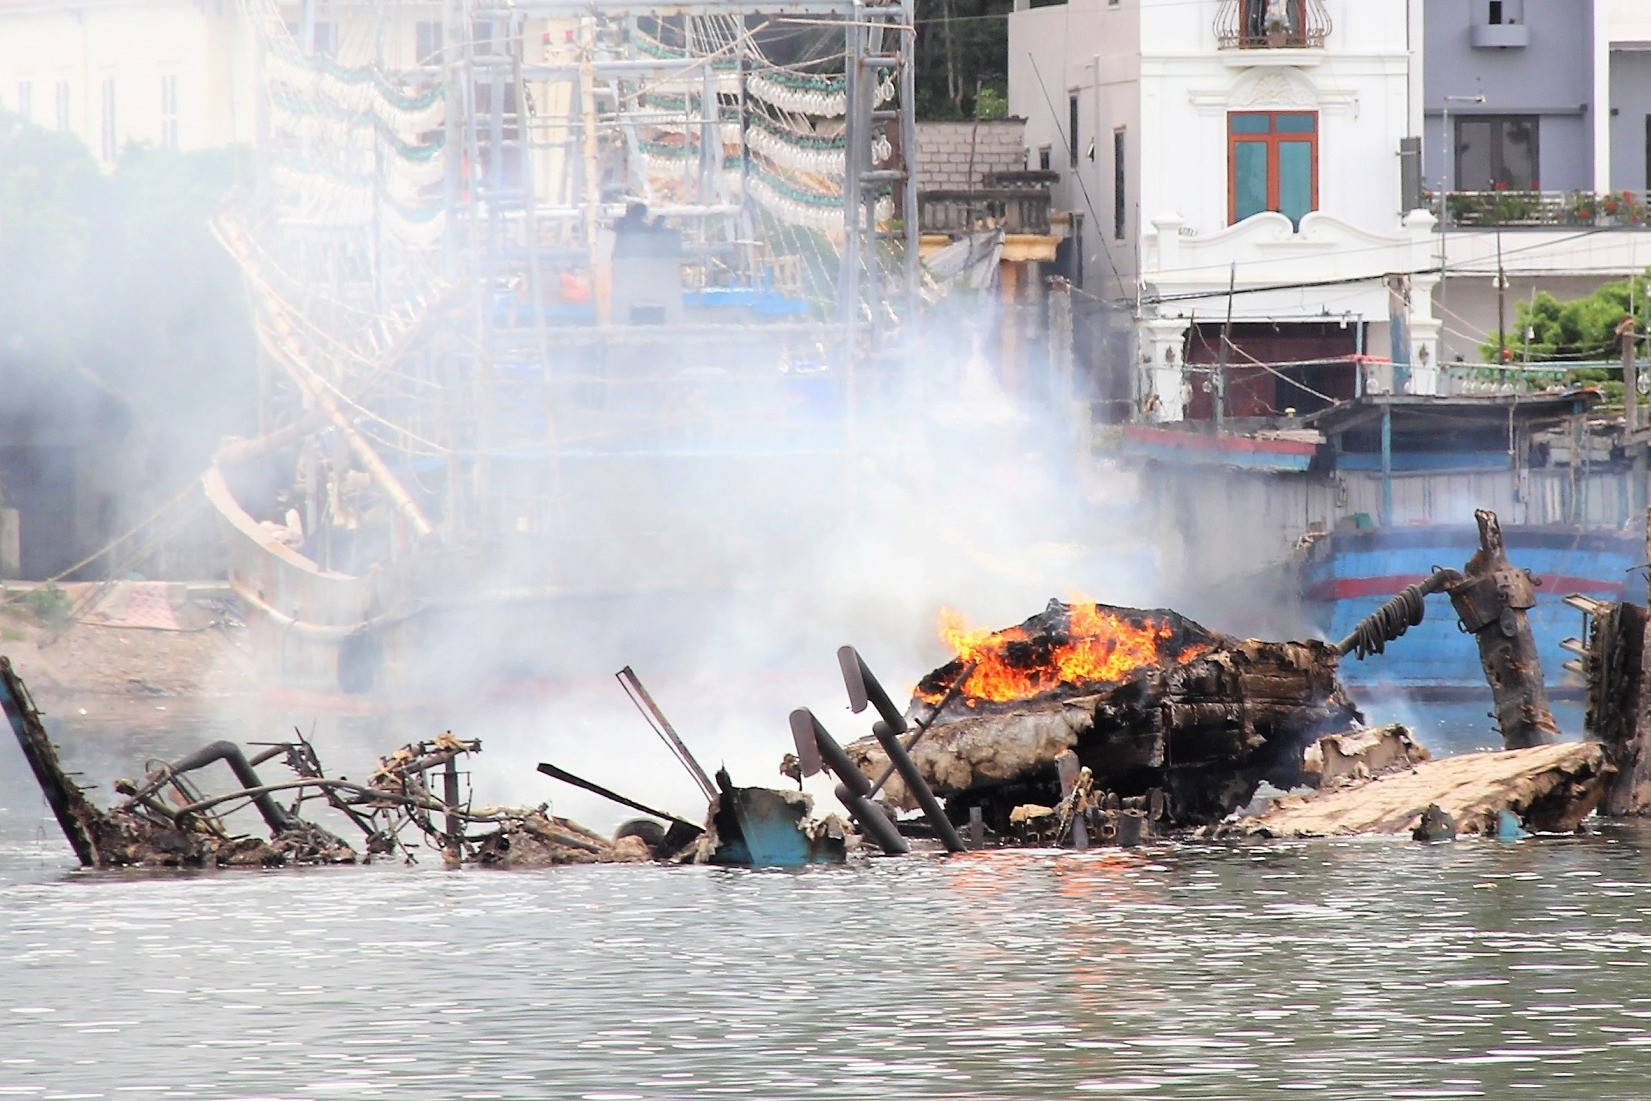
column 129, row 639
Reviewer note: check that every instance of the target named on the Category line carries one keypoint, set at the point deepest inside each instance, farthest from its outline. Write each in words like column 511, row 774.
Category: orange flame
column 1098, row 647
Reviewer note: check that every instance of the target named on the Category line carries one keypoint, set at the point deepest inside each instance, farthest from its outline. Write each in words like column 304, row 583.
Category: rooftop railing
column 1504, row 208
column 1012, row 209
column 1271, row 24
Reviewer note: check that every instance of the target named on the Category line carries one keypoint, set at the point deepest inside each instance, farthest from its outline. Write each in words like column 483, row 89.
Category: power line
column 1077, row 174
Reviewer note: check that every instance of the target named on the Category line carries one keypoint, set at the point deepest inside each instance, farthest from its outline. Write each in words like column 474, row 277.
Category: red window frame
column 1272, row 138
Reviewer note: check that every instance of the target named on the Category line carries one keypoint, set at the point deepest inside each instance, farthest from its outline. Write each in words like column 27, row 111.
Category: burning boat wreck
column 1122, row 716
column 1085, row 722
column 1093, row 721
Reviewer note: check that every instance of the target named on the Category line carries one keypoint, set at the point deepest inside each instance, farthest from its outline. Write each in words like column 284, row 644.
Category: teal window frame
column 1272, row 164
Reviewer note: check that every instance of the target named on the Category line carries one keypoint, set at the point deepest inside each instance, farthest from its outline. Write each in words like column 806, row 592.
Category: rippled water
column 1349, row 969
column 1352, row 969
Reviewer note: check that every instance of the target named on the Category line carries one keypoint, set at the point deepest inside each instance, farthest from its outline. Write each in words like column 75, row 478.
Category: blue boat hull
column 1350, row 573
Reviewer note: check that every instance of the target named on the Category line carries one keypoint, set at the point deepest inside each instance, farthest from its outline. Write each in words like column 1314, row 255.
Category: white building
column 168, row 73
column 1237, row 142
column 1250, row 142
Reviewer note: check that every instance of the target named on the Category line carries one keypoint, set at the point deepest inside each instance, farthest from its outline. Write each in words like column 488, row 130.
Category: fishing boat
column 1412, row 470
column 551, row 299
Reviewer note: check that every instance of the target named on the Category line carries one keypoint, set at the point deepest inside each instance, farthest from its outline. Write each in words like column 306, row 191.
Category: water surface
column 1348, row 969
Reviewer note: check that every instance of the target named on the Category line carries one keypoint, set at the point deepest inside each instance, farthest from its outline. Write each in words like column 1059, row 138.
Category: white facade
column 159, row 72
column 1158, row 73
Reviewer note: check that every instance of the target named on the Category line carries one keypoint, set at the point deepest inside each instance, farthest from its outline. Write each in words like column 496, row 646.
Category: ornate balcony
column 1272, row 24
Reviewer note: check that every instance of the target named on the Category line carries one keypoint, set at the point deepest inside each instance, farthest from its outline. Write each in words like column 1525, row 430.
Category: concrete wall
column 1551, row 77
column 1630, row 92
column 953, row 156
column 1088, row 49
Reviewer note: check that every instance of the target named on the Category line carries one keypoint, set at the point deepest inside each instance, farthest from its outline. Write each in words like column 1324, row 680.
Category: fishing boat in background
column 1572, row 505
column 1297, row 525
column 551, row 301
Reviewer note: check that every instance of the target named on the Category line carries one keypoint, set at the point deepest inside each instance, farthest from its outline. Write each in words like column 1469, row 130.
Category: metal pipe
column 854, row 790
column 919, row 788
column 597, row 789
column 662, row 726
column 274, row 816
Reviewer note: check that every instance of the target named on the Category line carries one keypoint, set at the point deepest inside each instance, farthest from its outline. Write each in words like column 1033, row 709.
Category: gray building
column 1515, row 80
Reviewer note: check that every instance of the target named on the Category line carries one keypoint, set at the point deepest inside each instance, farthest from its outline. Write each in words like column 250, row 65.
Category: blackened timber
column 75, row 814
column 1618, row 669
column 1493, row 604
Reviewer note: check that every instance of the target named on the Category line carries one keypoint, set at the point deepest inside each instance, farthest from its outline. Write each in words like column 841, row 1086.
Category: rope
column 1372, row 633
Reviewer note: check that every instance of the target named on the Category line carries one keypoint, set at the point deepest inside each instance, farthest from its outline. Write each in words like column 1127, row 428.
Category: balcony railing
column 1507, row 208
column 1012, row 209
column 1272, row 24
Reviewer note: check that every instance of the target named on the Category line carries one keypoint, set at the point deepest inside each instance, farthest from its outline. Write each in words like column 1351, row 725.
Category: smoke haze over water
column 958, row 494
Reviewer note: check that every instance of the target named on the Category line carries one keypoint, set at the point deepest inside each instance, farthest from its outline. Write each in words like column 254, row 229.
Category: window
column 1072, row 129
column 427, row 43
column 1274, row 23
column 1119, row 199
column 1496, row 152
column 169, row 111
column 63, row 105
column 1043, row 158
column 109, row 146
column 1272, row 163
column 25, row 100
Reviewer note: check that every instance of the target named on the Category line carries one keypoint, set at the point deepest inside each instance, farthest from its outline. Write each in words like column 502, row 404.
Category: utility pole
column 1444, row 178
column 1221, row 360
column 1630, row 377
column 1501, row 305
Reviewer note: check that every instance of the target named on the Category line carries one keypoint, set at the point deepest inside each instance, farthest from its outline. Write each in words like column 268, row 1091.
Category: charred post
column 1617, row 666
column 79, row 820
column 1493, row 601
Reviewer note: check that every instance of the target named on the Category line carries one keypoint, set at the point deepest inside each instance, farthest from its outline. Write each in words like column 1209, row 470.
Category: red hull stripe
column 1359, row 588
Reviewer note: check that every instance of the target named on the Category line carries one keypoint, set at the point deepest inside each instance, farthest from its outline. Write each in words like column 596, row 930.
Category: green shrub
column 49, row 604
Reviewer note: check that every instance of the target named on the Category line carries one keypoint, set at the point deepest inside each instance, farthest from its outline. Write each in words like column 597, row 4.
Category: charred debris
column 165, row 819
column 1086, row 724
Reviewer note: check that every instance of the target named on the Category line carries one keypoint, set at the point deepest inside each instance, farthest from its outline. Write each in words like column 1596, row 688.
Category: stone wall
column 953, row 156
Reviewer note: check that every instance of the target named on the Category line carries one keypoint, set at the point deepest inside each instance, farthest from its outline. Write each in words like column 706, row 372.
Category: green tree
column 1581, row 329
column 1577, row 331
column 962, row 50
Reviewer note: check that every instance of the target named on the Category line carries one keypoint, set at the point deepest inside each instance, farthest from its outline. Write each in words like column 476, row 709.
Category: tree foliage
column 117, row 276
column 1581, row 329
column 962, row 49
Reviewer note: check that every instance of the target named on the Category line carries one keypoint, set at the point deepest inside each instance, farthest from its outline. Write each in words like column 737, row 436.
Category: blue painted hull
column 1349, row 574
